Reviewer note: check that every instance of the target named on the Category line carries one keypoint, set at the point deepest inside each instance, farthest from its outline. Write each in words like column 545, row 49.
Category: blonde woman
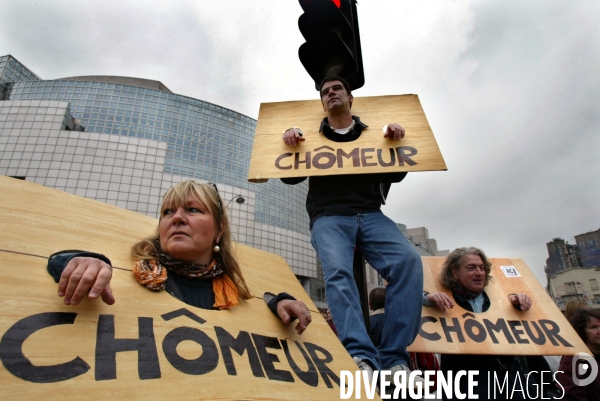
column 189, row 255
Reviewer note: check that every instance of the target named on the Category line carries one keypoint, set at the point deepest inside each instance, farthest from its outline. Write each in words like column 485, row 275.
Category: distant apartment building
column 573, row 270
column 562, row 256
column 589, row 248
column 419, row 238
column 577, row 284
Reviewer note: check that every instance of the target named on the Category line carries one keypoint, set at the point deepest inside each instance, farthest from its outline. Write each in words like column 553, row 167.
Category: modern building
column 125, row 141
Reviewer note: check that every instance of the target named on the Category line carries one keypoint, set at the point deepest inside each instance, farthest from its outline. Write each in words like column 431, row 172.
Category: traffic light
column 332, row 46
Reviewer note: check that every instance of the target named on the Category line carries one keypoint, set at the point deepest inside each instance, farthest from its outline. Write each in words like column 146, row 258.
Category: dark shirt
column 349, row 194
column 377, row 322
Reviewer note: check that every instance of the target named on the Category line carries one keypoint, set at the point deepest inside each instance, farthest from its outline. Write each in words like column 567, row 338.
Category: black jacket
column 345, row 195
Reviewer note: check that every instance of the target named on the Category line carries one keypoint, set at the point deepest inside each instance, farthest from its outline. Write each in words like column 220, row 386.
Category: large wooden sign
column 147, row 345
column 502, row 329
column 370, row 153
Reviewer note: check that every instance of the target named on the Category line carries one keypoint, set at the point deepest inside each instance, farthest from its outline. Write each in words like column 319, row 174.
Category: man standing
column 345, row 213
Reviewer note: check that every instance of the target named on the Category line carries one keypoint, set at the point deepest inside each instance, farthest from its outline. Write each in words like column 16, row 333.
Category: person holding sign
column 345, row 213
column 189, row 255
column 466, row 272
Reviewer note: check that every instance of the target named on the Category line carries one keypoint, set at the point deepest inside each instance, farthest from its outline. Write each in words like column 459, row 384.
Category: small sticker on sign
column 510, row 271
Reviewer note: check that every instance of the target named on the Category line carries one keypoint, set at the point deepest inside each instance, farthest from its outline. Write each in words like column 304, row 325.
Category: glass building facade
column 13, row 71
column 125, row 141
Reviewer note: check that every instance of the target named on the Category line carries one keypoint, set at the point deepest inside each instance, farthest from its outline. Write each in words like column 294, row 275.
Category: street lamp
column 239, row 199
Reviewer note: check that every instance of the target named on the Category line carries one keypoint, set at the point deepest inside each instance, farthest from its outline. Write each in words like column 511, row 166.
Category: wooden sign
column 502, row 329
column 147, row 345
column 370, row 153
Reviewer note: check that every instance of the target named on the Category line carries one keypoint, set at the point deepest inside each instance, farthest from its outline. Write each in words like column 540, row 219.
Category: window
column 594, row 284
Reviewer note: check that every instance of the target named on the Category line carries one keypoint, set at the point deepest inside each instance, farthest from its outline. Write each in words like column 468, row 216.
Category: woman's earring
column 216, row 248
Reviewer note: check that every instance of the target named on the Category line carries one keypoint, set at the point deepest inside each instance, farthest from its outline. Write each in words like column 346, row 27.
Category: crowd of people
column 190, row 256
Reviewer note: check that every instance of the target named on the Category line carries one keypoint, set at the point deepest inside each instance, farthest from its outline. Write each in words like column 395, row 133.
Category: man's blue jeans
column 391, row 254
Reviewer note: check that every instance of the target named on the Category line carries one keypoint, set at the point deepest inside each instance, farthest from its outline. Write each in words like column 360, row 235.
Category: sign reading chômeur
column 370, row 153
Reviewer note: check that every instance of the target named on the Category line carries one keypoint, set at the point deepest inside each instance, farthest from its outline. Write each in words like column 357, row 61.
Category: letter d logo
column 588, row 363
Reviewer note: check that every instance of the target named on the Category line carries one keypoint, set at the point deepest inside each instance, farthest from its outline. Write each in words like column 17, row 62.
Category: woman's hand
column 86, row 276
column 441, row 300
column 286, row 309
column 520, row 301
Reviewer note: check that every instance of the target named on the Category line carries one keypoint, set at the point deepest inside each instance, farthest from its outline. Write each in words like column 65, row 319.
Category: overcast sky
column 511, row 90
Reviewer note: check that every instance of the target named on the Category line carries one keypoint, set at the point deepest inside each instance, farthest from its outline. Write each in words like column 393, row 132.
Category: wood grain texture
column 376, row 112
column 543, row 310
column 36, row 221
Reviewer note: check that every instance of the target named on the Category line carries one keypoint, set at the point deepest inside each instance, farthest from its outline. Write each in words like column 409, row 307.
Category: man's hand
column 286, row 309
column 520, row 301
column 441, row 300
column 86, row 276
column 293, row 136
column 394, row 131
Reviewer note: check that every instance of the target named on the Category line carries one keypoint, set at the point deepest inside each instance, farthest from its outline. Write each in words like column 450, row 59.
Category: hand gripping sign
column 370, row 153
column 147, row 345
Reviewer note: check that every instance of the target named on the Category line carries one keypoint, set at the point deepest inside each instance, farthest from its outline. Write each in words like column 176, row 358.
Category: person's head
column 468, row 267
column 377, row 298
column 586, row 323
column 192, row 221
column 572, row 306
column 335, row 92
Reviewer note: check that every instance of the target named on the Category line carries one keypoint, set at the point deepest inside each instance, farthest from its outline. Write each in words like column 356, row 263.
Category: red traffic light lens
column 307, row 4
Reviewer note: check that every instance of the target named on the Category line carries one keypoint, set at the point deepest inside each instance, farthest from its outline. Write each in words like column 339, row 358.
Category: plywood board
column 502, row 329
column 51, row 351
column 370, row 153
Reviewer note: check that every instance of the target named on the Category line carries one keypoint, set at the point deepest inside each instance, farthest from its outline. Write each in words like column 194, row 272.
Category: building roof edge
column 113, row 79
